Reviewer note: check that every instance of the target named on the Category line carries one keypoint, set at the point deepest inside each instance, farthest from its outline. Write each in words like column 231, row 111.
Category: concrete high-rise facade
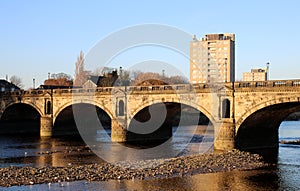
column 212, row 59
column 255, row 75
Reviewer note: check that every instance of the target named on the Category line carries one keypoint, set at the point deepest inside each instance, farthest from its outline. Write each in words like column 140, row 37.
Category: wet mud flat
column 130, row 170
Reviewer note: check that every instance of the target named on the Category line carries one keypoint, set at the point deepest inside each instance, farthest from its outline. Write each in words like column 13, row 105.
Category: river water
column 29, row 151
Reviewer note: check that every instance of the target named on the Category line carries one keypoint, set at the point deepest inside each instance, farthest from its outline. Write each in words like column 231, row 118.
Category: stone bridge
column 244, row 114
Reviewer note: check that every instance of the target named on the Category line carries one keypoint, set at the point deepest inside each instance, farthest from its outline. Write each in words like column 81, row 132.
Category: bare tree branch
column 17, row 81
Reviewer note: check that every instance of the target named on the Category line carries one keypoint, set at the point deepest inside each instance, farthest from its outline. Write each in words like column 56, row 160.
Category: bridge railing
column 271, row 83
column 83, row 90
column 22, row 92
column 157, row 88
column 167, row 88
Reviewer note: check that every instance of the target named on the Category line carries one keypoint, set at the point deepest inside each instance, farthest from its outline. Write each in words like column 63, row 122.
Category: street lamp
column 268, row 76
column 33, row 81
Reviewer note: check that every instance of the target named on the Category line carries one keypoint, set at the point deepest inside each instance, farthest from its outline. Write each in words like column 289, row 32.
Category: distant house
column 259, row 74
column 151, row 82
column 7, row 86
column 107, row 80
column 58, row 83
column 89, row 85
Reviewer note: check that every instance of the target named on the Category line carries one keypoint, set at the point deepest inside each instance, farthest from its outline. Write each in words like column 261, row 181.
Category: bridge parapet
column 160, row 88
column 271, row 83
column 106, row 90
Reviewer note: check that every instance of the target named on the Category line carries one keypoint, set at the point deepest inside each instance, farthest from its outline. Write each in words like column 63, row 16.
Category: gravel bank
column 159, row 168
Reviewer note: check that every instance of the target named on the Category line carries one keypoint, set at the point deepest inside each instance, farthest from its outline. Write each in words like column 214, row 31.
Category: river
column 29, row 151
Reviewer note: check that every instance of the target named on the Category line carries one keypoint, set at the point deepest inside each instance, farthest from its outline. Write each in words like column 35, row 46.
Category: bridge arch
column 262, row 105
column 26, row 103
column 84, row 101
column 87, row 115
column 20, row 117
column 185, row 102
column 158, row 127
column 258, row 127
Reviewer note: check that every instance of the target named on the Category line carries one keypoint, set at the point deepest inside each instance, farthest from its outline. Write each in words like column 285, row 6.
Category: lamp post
column 268, row 75
column 33, row 81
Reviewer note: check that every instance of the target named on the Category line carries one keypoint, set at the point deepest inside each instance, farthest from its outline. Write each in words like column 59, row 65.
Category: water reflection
column 284, row 175
column 236, row 180
column 62, row 151
column 39, row 152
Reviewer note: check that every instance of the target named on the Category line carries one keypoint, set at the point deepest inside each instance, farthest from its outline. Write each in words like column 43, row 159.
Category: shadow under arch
column 260, row 129
column 145, row 132
column 182, row 101
column 82, row 101
column 65, row 122
column 19, row 118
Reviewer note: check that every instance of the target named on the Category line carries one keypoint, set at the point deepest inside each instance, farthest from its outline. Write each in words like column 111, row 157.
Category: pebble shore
column 158, row 168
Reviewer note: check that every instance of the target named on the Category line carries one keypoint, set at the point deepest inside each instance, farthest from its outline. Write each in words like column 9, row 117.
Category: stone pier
column 224, row 134
column 46, row 126
column 118, row 130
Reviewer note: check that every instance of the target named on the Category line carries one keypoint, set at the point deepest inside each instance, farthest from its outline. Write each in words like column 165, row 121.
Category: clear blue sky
column 37, row 37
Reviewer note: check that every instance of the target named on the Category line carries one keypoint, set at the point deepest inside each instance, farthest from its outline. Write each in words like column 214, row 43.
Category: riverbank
column 296, row 142
column 158, row 168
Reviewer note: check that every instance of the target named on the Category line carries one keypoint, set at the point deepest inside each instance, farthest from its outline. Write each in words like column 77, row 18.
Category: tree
column 177, row 80
column 17, row 81
column 123, row 78
column 61, row 75
column 59, row 79
column 81, row 76
column 135, row 73
column 150, row 78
